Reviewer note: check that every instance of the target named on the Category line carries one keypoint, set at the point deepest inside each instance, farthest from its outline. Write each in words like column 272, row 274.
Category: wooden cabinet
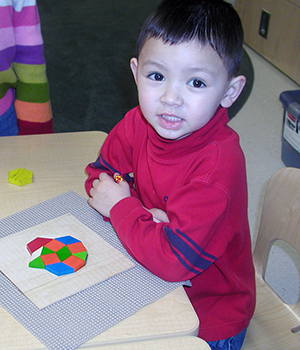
column 282, row 45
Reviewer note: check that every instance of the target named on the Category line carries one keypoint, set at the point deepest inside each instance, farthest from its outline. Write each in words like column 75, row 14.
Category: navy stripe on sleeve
column 103, row 165
column 188, row 252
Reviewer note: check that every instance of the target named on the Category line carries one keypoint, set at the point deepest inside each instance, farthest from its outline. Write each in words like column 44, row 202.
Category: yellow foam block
column 20, row 177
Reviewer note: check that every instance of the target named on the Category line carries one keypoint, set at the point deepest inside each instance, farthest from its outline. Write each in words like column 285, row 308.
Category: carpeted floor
column 88, row 45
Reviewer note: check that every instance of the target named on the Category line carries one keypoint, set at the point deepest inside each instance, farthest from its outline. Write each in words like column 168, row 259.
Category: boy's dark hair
column 213, row 22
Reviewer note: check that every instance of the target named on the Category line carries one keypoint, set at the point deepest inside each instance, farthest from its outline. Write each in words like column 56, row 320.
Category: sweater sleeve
column 195, row 238
column 114, row 157
column 32, row 103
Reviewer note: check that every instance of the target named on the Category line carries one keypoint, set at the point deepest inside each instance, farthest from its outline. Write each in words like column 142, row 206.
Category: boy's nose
column 171, row 96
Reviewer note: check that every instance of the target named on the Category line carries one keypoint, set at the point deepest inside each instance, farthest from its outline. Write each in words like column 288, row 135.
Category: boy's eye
column 197, row 83
column 156, row 76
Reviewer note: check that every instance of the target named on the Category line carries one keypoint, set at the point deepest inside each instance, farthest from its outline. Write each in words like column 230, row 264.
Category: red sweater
column 200, row 182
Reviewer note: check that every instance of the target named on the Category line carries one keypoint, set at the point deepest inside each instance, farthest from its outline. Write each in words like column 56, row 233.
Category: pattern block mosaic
column 60, row 256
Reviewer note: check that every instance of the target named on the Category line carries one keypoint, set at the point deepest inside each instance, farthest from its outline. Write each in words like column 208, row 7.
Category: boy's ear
column 133, row 66
column 235, row 87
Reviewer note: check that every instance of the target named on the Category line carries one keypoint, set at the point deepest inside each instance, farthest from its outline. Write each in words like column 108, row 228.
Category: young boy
column 182, row 211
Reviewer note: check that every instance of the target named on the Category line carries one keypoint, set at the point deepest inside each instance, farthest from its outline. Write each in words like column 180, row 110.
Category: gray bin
column 290, row 151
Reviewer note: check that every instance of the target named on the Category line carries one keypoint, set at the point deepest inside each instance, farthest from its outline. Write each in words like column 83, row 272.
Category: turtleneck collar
column 159, row 147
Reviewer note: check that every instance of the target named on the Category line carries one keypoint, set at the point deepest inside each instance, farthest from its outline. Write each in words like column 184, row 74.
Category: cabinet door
column 282, row 45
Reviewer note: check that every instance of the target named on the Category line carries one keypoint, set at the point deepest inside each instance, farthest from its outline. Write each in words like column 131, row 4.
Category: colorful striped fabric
column 22, row 64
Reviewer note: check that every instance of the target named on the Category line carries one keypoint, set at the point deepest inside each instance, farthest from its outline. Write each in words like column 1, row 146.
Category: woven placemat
column 72, row 321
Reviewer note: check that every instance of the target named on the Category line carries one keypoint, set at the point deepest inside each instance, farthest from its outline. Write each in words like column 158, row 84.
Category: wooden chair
column 274, row 324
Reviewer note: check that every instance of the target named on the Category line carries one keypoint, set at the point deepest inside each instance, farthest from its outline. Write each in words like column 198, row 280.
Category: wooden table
column 58, row 163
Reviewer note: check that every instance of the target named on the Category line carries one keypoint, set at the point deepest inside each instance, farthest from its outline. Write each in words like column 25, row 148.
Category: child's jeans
column 8, row 122
column 232, row 343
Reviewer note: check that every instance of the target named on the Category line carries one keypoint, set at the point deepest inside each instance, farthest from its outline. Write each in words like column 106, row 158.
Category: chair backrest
column 280, row 218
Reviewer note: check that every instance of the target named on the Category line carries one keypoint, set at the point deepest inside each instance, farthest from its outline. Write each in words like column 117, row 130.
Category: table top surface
column 58, row 163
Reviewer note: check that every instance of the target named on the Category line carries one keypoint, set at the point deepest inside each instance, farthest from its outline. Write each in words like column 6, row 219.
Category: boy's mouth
column 169, row 121
column 171, row 118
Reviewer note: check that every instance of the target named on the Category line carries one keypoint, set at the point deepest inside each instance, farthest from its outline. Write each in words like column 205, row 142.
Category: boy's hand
column 159, row 215
column 105, row 193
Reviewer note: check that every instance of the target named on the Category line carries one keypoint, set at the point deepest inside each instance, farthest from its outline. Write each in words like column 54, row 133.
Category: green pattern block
column 46, row 251
column 37, row 263
column 63, row 253
column 81, row 255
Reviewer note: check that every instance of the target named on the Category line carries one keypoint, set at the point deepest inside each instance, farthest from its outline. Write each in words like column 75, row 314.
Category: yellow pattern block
column 20, row 177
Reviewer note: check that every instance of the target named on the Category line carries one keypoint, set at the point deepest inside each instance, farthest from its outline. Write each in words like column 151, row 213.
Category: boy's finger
column 118, row 178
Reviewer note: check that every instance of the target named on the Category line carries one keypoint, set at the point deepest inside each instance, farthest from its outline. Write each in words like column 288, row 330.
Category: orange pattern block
column 50, row 259
column 76, row 247
column 54, row 245
column 75, row 262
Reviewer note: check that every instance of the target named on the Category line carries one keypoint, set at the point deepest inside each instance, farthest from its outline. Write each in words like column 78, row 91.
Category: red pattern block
column 37, row 243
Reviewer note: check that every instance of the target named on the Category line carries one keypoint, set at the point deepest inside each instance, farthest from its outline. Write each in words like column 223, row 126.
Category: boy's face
column 181, row 86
